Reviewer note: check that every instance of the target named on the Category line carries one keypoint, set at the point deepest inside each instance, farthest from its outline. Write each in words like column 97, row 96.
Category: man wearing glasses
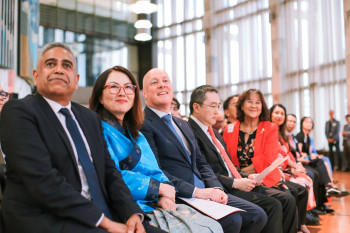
column 204, row 108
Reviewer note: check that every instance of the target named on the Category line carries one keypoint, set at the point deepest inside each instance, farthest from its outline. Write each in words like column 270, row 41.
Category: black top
column 305, row 141
column 245, row 151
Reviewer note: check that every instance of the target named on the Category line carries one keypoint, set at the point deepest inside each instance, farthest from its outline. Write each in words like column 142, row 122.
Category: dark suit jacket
column 332, row 129
column 213, row 157
column 43, row 185
column 171, row 155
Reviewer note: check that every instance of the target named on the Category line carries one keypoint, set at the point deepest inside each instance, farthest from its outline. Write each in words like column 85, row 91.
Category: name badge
column 334, row 124
column 230, row 128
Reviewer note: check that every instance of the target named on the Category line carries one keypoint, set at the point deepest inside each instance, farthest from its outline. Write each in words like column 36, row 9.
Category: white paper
column 212, row 209
column 270, row 168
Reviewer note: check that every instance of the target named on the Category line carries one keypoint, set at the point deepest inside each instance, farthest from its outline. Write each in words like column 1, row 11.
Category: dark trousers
column 300, row 194
column 337, row 149
column 79, row 228
column 251, row 221
column 277, row 204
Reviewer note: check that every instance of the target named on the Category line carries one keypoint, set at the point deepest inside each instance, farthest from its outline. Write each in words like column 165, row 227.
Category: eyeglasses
column 4, row 94
column 114, row 89
column 212, row 106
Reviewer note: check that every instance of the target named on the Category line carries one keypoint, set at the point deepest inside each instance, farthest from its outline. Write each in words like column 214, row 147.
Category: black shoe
column 313, row 216
column 334, row 192
column 328, row 210
column 311, row 221
column 317, row 211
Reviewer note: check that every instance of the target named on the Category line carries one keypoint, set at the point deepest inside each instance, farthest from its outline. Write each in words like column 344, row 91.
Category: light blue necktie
column 89, row 168
column 167, row 118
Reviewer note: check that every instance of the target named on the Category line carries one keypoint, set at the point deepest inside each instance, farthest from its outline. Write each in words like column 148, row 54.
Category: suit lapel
column 185, row 134
column 206, row 140
column 47, row 110
column 161, row 125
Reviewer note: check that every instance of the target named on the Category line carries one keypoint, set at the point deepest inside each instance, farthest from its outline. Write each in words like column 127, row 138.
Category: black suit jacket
column 171, row 155
column 212, row 156
column 43, row 184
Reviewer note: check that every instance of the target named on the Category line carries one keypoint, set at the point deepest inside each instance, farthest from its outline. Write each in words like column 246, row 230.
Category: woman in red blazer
column 253, row 145
column 252, row 141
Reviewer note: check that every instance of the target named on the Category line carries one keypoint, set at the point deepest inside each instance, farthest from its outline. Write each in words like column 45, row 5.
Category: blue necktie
column 167, row 118
column 89, row 169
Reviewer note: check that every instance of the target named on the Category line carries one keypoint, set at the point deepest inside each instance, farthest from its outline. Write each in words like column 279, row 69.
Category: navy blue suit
column 173, row 160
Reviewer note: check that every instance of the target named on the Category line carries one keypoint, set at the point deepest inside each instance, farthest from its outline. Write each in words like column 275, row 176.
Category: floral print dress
column 245, row 150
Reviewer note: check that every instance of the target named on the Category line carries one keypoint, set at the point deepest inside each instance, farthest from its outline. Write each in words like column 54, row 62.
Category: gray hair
column 52, row 45
column 198, row 95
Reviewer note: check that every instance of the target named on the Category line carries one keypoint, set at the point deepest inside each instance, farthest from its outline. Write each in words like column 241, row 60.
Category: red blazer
column 266, row 148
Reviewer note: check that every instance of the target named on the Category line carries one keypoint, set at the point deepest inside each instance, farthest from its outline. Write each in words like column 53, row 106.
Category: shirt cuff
column 100, row 220
column 194, row 190
column 141, row 216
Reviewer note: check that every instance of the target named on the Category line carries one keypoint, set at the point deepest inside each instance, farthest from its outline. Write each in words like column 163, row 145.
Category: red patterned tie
column 227, row 160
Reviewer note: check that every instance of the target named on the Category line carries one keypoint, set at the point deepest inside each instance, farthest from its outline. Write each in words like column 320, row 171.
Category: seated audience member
column 317, row 171
column 230, row 109
column 294, row 172
column 116, row 99
column 178, row 154
column 305, row 149
column 253, row 145
column 346, row 144
column 278, row 205
column 60, row 176
column 325, row 159
column 175, row 108
column 220, row 123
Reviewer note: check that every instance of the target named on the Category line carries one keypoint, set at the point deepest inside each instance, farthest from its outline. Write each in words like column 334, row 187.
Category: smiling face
column 278, row 115
column 117, row 104
column 157, row 90
column 56, row 76
column 252, row 106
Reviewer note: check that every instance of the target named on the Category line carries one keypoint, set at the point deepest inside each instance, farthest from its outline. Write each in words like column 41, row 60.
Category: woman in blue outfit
column 116, row 99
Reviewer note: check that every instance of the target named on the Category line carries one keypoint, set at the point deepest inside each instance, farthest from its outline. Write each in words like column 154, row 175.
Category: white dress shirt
column 56, row 107
column 205, row 130
column 178, row 131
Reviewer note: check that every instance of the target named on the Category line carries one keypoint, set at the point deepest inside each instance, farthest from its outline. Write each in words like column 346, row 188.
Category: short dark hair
column 177, row 102
column 198, row 95
column 282, row 128
column 226, row 103
column 264, row 115
column 133, row 119
column 302, row 121
column 291, row 114
column 347, row 115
